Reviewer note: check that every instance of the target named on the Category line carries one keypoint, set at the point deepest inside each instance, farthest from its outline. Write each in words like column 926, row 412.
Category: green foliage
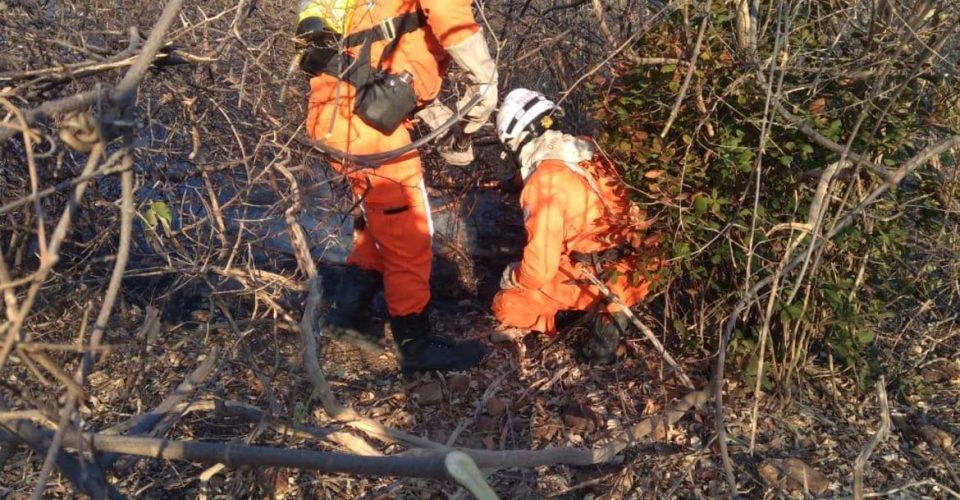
column 158, row 212
column 699, row 182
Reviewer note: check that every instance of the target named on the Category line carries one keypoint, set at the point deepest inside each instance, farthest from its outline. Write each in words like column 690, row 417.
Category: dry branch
column 666, row 11
column 88, row 478
column 123, row 93
column 50, row 108
column 881, row 434
column 345, row 439
column 690, row 72
column 808, row 130
column 417, row 463
column 234, row 455
column 106, row 309
column 145, row 422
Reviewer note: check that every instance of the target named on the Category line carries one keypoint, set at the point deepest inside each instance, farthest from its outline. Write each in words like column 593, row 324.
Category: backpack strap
column 388, row 29
column 359, row 71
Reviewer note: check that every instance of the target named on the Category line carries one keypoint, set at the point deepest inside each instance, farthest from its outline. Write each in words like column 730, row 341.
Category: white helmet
column 519, row 110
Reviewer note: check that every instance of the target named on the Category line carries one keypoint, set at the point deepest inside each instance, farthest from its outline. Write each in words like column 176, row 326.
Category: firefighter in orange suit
column 574, row 207
column 374, row 64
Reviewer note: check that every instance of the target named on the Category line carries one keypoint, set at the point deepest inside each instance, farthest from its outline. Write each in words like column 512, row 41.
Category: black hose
column 375, row 160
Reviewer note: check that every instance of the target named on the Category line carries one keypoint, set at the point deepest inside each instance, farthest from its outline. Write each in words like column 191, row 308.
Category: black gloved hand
column 512, row 184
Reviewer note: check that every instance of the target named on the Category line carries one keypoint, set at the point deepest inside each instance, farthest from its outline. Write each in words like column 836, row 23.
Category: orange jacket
column 422, row 52
column 563, row 213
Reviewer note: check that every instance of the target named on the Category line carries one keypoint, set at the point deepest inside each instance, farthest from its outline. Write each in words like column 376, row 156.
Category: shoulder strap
column 389, row 29
column 359, row 71
column 591, row 182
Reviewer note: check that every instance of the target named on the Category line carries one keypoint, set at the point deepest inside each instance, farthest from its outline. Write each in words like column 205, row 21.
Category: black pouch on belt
column 386, row 101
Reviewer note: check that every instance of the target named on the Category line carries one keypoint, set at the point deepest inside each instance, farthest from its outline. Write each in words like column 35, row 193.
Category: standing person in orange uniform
column 373, row 64
column 574, row 207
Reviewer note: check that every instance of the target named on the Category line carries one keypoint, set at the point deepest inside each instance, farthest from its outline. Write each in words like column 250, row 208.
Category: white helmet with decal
column 523, row 110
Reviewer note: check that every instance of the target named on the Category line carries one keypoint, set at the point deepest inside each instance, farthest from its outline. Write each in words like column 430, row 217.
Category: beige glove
column 507, row 280
column 473, row 56
column 454, row 152
column 435, row 114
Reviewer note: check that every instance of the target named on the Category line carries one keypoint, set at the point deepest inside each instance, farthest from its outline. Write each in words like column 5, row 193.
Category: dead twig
column 880, row 435
column 690, row 72
column 106, row 309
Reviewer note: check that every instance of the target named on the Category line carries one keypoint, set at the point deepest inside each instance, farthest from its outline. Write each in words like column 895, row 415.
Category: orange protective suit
column 564, row 213
column 397, row 239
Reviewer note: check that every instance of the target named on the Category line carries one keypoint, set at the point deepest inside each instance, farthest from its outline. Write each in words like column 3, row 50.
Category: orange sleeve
column 543, row 201
column 451, row 21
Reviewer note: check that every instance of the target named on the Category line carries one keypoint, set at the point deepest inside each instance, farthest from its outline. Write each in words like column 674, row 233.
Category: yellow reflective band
column 335, row 14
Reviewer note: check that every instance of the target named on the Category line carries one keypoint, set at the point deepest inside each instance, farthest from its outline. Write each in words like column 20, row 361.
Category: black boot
column 422, row 350
column 600, row 345
column 348, row 318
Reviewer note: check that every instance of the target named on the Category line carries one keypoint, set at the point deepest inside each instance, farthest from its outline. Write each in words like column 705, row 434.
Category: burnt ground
column 542, row 398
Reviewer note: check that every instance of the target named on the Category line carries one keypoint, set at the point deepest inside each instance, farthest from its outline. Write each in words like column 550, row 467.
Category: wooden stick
column 106, row 309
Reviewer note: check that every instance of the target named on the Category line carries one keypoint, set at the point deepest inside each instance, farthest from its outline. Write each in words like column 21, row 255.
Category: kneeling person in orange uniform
column 373, row 63
column 573, row 206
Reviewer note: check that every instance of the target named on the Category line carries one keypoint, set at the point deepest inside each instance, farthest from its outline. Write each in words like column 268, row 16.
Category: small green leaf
column 865, row 337
column 835, row 127
column 700, row 205
column 613, row 276
column 669, row 68
column 299, row 412
column 680, row 327
column 151, row 216
column 162, row 211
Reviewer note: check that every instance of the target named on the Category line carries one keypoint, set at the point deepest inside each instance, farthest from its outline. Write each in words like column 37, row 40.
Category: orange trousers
column 536, row 310
column 397, row 238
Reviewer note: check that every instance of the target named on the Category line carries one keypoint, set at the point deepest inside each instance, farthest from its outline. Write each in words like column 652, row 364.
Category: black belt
column 602, row 256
